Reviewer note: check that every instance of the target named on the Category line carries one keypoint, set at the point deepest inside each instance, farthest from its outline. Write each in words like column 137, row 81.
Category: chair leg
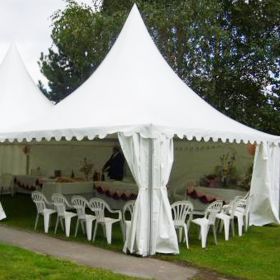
column 67, row 225
column 95, row 230
column 232, row 227
column 226, row 228
column 56, row 224
column 61, row 223
column 89, row 229
column 77, row 227
column 123, row 231
column 186, row 236
column 240, row 225
column 83, row 227
column 108, row 228
column 203, row 234
column 36, row 221
column 127, row 229
column 246, row 221
column 46, row 222
column 214, row 233
column 180, row 234
column 221, row 225
column 103, row 229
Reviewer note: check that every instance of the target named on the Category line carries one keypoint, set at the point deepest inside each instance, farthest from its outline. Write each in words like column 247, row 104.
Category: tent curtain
column 136, row 152
column 2, row 212
column 265, row 185
column 150, row 161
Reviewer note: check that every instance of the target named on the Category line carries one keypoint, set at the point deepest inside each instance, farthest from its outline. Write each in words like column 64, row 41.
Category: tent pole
column 151, row 163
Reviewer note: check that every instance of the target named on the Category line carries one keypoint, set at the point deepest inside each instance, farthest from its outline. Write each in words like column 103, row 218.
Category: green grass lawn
column 16, row 263
column 255, row 255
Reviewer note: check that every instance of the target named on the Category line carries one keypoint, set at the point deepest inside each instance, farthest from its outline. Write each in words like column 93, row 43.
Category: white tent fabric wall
column 68, row 156
column 150, row 161
column 265, row 192
column 194, row 160
column 12, row 159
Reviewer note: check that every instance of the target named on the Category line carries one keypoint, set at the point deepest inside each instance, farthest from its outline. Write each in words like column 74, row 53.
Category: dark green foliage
column 226, row 51
column 81, row 40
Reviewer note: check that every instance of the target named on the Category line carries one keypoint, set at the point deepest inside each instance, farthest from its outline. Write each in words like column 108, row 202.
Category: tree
column 81, row 39
column 226, row 51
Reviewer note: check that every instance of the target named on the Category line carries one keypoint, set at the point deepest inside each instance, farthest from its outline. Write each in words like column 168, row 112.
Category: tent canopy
column 135, row 90
column 20, row 99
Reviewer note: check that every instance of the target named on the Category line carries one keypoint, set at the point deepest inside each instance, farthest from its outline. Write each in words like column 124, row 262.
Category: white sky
column 28, row 23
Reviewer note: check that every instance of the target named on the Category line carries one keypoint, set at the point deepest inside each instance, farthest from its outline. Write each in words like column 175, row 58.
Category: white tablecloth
column 29, row 183
column 115, row 193
column 225, row 194
column 67, row 188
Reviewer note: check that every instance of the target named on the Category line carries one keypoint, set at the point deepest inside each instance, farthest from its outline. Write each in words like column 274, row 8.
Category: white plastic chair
column 227, row 217
column 40, row 201
column 98, row 206
column 80, row 204
column 243, row 206
column 7, row 184
column 60, row 203
column 182, row 216
column 209, row 220
column 128, row 209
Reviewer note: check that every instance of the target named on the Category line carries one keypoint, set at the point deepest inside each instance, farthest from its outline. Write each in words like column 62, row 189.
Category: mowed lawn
column 255, row 255
column 16, row 263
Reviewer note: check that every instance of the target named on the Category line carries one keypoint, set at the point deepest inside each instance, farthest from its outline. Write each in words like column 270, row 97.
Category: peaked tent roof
column 134, row 89
column 20, row 99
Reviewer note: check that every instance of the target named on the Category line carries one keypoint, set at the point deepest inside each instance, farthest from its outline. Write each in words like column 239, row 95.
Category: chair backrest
column 181, row 210
column 128, row 208
column 212, row 210
column 6, row 180
column 80, row 204
column 231, row 207
column 244, row 202
column 98, row 206
column 59, row 202
column 40, row 201
column 246, row 195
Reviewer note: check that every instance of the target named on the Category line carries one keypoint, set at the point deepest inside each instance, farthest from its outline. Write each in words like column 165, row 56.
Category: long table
column 202, row 196
column 68, row 189
column 115, row 193
column 29, row 183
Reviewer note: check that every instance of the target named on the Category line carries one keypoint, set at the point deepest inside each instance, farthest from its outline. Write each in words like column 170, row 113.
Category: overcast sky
column 27, row 22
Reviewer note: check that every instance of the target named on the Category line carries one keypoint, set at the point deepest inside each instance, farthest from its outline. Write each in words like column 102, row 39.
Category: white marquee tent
column 136, row 94
column 20, row 99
